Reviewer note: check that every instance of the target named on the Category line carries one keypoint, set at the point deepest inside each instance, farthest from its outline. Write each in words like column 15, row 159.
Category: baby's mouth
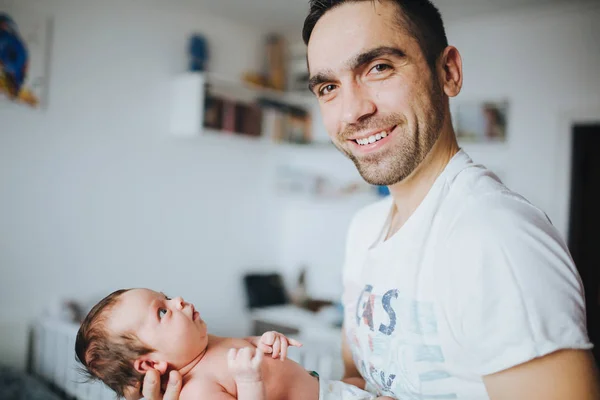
column 195, row 314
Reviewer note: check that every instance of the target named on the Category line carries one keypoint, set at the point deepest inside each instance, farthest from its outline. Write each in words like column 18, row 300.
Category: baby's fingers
column 294, row 342
column 268, row 338
column 231, row 356
column 276, row 347
column 256, row 360
column 284, row 348
column 265, row 348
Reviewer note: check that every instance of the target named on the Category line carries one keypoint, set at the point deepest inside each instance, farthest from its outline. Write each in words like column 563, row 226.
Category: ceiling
column 287, row 16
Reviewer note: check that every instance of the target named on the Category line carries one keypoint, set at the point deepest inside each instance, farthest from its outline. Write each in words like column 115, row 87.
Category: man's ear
column 451, row 71
column 145, row 363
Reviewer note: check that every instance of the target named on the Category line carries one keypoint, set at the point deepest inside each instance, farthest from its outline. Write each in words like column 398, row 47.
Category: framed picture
column 480, row 121
column 24, row 37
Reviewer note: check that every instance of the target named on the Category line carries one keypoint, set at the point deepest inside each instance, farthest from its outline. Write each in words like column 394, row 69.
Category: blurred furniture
column 263, row 290
column 52, row 360
column 16, row 385
column 207, row 103
column 271, row 310
column 321, row 350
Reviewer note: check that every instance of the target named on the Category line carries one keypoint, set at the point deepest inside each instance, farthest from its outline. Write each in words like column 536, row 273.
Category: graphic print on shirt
column 395, row 345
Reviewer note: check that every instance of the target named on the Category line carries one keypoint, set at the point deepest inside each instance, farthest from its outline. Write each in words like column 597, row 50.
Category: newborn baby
column 133, row 331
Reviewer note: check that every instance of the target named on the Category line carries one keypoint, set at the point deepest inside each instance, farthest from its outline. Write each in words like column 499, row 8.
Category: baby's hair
column 105, row 356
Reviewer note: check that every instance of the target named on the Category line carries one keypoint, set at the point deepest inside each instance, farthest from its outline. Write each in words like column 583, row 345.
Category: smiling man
column 455, row 287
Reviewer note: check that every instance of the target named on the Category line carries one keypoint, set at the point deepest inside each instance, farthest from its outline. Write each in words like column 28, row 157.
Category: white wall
column 95, row 194
column 545, row 61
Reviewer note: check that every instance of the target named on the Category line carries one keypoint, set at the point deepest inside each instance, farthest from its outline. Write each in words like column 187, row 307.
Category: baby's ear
column 144, row 364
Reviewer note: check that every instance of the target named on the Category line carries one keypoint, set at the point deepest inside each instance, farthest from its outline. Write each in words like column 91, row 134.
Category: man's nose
column 357, row 104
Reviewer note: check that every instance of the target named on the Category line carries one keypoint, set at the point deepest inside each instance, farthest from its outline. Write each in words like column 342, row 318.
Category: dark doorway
column 584, row 221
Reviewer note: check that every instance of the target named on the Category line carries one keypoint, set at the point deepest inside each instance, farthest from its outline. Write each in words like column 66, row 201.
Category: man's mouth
column 373, row 137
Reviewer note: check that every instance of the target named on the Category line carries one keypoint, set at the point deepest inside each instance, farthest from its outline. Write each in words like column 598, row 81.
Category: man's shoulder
column 478, row 199
column 493, row 218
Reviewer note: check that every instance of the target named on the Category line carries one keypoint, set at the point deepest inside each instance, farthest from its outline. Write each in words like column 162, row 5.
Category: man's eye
column 380, row 68
column 162, row 312
column 326, row 89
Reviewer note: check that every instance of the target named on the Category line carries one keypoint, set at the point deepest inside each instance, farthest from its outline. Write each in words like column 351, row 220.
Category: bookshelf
column 210, row 104
column 309, row 171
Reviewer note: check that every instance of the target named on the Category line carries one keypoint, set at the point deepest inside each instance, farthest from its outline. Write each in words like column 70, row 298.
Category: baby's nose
column 179, row 302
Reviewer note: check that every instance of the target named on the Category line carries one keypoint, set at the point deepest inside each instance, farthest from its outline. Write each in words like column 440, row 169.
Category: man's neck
column 410, row 192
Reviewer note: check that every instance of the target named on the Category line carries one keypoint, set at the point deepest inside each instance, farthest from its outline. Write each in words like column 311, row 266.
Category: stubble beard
column 395, row 163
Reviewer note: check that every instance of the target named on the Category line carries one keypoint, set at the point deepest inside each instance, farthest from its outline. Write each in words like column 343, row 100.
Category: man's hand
column 566, row 374
column 274, row 343
column 151, row 388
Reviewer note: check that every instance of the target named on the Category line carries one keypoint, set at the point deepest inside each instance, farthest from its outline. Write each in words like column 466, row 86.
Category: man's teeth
column 372, row 138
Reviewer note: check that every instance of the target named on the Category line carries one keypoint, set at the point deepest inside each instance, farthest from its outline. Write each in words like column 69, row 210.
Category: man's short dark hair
column 420, row 18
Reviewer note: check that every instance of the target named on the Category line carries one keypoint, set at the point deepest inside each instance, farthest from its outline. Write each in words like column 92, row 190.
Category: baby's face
column 170, row 326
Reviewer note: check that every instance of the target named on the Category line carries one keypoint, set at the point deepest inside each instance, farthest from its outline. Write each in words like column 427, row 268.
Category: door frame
column 564, row 159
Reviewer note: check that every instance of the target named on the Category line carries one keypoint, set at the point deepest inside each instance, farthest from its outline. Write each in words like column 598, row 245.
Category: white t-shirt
column 476, row 281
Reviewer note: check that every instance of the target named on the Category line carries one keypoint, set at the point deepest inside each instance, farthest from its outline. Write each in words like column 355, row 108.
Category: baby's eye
column 162, row 312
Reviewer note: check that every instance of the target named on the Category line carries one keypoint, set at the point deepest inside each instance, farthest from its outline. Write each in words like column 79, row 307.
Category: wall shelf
column 303, row 99
column 188, row 100
column 282, row 147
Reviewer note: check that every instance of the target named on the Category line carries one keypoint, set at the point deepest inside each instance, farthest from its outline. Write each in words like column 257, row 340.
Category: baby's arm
column 246, row 373
column 273, row 343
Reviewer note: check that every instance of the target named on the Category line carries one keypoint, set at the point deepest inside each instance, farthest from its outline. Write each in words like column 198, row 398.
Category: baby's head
column 132, row 331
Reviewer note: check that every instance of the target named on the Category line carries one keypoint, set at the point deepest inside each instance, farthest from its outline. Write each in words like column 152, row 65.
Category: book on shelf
column 272, row 120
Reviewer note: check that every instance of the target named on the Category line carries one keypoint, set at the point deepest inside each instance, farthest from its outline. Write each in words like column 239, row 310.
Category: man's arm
column 351, row 374
column 566, row 374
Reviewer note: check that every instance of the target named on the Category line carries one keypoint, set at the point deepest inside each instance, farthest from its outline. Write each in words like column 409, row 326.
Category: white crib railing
column 53, row 360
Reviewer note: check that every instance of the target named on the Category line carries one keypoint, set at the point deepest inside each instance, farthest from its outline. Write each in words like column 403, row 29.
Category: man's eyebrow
column 355, row 63
column 370, row 55
column 319, row 78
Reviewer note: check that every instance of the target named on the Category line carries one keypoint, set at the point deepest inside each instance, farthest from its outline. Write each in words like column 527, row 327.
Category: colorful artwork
column 23, row 43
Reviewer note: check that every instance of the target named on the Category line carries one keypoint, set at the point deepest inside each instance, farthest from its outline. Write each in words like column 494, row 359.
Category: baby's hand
column 276, row 344
column 244, row 367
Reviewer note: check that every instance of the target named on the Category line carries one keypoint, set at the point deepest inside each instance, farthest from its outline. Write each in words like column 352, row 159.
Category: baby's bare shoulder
column 200, row 389
column 227, row 343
